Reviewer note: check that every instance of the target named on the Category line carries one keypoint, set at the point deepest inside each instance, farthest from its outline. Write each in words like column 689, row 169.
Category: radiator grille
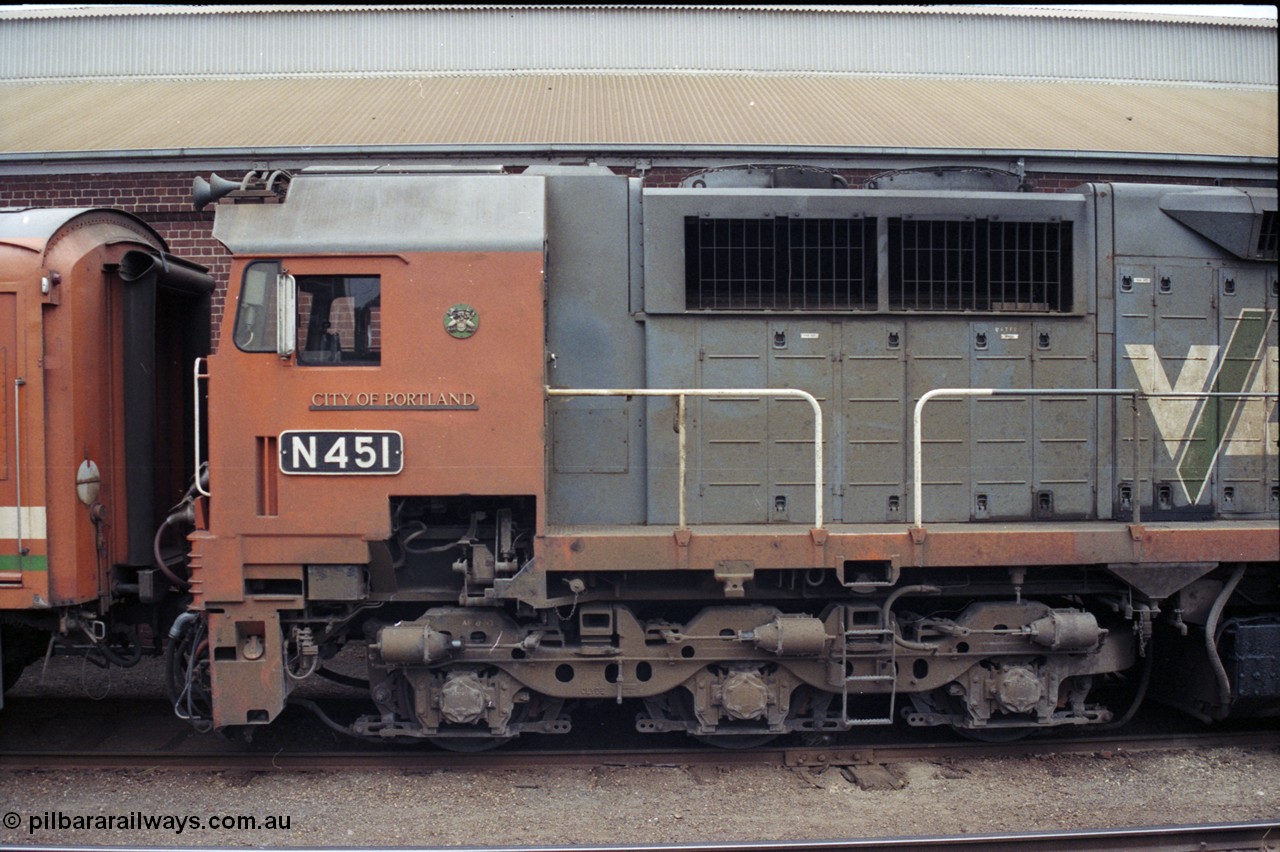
column 811, row 264
column 979, row 265
column 932, row 265
column 783, row 263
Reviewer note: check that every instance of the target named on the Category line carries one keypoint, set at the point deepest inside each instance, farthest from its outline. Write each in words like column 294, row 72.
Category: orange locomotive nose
column 370, row 409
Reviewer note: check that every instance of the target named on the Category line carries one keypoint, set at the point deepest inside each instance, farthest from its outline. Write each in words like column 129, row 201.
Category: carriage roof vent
column 765, row 177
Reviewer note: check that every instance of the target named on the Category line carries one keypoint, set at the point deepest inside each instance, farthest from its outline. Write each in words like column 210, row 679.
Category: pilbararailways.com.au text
column 140, row 821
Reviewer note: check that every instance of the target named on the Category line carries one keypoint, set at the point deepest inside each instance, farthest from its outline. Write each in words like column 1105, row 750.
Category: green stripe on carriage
column 13, row 562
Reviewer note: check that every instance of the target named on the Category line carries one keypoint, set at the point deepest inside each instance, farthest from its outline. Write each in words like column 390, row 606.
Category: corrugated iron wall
column 279, row 41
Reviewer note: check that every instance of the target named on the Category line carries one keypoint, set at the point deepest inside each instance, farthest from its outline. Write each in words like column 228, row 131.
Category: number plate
column 328, row 451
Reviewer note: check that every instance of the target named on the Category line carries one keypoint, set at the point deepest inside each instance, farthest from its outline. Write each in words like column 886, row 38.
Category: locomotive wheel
column 993, row 735
column 680, row 704
column 240, row 735
column 939, row 702
column 470, row 745
column 735, row 741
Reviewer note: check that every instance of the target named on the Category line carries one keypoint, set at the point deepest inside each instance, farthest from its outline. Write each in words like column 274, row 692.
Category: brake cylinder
column 414, row 644
column 791, row 636
column 1067, row 630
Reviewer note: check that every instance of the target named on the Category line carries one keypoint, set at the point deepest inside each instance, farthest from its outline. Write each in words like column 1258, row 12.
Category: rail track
column 1216, row 837
column 796, row 758
column 141, row 733
column 1226, row 837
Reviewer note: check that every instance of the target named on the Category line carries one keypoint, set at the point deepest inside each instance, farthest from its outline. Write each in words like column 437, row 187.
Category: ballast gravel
column 624, row 806
column 628, row 806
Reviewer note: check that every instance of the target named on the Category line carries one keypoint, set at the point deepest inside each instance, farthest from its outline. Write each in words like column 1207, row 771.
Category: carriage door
column 17, row 528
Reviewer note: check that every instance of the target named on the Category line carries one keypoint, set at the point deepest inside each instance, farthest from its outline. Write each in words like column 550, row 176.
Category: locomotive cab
column 376, row 416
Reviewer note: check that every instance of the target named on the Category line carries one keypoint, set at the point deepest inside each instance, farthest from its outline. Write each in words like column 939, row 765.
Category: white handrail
column 917, row 455
column 197, row 376
column 23, row 550
column 681, row 393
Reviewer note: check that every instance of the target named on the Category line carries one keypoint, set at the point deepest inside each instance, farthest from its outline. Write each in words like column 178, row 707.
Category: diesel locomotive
column 760, row 454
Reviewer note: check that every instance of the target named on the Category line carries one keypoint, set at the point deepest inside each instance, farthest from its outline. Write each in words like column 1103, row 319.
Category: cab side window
column 339, row 320
column 255, row 329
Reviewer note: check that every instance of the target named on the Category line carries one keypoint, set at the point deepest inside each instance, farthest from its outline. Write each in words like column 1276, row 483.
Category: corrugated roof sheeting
column 637, row 110
column 631, row 39
column 1101, row 14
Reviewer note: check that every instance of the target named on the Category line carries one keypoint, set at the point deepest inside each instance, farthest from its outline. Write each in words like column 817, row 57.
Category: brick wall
column 161, row 200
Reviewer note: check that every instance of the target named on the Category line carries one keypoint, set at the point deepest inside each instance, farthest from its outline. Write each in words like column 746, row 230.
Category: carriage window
column 339, row 320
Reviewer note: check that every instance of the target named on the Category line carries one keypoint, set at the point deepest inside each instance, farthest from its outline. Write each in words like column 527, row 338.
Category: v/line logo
column 1195, row 431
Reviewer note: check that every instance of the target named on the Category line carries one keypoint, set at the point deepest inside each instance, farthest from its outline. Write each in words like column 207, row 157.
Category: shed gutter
column 627, row 150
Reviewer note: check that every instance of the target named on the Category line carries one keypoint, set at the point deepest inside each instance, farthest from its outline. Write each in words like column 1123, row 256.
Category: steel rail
column 1206, row 837
column 1168, row 838
column 395, row 759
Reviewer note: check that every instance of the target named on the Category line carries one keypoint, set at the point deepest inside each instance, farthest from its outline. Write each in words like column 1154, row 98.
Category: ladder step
column 873, row 645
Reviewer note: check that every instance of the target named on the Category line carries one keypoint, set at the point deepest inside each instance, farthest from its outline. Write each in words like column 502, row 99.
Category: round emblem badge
column 461, row 321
